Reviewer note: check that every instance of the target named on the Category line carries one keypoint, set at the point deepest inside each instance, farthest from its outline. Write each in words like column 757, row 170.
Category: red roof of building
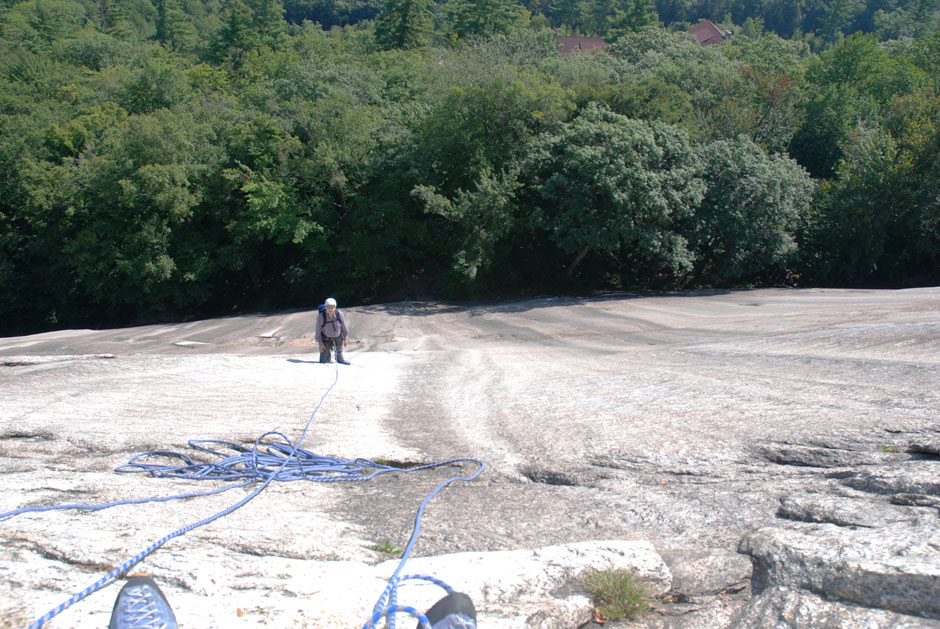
column 707, row 33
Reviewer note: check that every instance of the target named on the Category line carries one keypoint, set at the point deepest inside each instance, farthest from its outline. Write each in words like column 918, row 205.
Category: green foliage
column 184, row 157
column 483, row 18
column 403, row 24
column 174, row 27
column 94, row 50
column 851, row 85
column 638, row 14
column 608, row 184
column 745, row 227
column 482, row 123
column 878, row 219
column 703, row 73
column 385, row 547
column 105, row 218
column 158, row 84
column 37, row 24
column 650, row 98
column 618, row 594
column 484, row 216
column 247, row 27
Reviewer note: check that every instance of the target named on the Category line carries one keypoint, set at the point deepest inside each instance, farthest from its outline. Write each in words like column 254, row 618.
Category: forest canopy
column 164, row 159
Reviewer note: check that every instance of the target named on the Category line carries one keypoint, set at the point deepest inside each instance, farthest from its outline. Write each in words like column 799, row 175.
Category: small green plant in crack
column 618, row 594
column 385, row 547
column 889, row 449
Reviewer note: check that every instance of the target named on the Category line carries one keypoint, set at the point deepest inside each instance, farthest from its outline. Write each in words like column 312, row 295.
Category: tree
column 836, row 18
column 917, row 18
column 926, row 56
column 745, row 227
column 639, row 13
column 36, row 24
column 610, row 185
column 103, row 209
column 481, row 125
column 650, row 98
column 118, row 21
column 573, row 14
column 158, row 84
column 174, row 27
column 95, row 50
column 702, row 72
column 269, row 23
column 483, row 18
column 671, row 11
column 783, row 17
column 851, row 85
column 878, row 219
column 403, row 24
column 237, row 36
column 480, row 217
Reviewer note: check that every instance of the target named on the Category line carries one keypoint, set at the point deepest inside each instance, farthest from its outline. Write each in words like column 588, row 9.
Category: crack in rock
column 812, row 456
column 892, row 568
column 918, row 477
column 54, row 554
column 839, row 511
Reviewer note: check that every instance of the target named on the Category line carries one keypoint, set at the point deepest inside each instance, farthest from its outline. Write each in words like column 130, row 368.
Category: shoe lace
column 142, row 610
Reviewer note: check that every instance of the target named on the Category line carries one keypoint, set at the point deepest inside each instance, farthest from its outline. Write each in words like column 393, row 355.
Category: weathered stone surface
column 915, row 500
column 702, row 574
column 926, row 447
column 915, row 477
column 717, row 612
column 840, row 510
column 890, row 568
column 510, row 589
column 542, row 585
column 810, row 456
column 618, row 417
column 799, row 609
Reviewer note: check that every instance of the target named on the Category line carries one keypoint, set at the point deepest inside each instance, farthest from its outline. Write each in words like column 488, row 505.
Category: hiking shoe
column 454, row 611
column 343, row 362
column 141, row 605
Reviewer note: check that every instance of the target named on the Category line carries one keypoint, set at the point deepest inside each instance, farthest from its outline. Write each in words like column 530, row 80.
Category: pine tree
column 639, row 13
column 403, row 24
column 483, row 17
column 576, row 15
column 269, row 22
column 238, row 35
column 174, row 27
column 118, row 22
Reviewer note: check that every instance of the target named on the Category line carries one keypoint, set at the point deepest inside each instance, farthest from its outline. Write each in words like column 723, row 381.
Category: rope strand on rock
column 283, row 461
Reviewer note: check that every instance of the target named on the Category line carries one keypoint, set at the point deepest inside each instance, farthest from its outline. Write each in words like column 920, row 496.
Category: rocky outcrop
column 699, row 576
column 922, row 477
column 890, row 568
column 797, row 425
column 787, row 607
column 863, row 556
column 840, row 511
column 543, row 585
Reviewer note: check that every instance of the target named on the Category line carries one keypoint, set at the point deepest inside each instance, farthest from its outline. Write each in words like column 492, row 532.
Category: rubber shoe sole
column 454, row 611
column 141, row 605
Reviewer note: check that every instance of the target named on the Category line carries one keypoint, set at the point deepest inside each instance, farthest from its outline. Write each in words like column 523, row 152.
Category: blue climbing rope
column 389, row 609
column 264, row 463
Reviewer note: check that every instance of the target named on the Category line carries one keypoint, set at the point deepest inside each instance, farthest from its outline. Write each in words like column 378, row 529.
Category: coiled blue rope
column 265, row 463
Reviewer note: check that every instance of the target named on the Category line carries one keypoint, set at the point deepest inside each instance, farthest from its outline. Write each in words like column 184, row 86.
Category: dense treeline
column 181, row 158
